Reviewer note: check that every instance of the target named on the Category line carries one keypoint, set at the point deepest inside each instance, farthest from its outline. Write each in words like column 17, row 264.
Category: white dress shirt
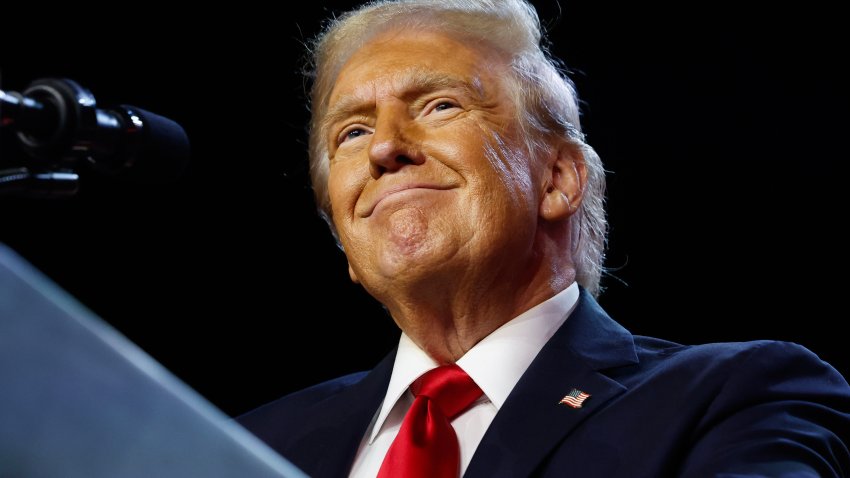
column 496, row 364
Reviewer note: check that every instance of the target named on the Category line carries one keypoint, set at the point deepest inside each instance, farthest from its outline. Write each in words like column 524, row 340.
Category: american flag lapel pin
column 575, row 398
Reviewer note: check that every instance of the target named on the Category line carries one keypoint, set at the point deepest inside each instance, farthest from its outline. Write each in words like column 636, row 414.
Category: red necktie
column 426, row 445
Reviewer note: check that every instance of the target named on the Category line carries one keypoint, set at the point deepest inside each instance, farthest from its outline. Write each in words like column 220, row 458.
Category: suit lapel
column 337, row 431
column 532, row 422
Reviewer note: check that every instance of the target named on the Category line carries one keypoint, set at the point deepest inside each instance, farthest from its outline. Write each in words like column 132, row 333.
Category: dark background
column 724, row 133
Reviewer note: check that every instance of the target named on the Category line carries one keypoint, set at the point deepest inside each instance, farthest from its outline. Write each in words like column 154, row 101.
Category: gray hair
column 545, row 95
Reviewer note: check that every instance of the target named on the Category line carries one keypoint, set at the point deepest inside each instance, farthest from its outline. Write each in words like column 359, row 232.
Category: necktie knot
column 426, row 445
column 449, row 388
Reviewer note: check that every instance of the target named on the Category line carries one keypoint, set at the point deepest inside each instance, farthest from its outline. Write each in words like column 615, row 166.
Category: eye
column 444, row 105
column 350, row 134
column 439, row 105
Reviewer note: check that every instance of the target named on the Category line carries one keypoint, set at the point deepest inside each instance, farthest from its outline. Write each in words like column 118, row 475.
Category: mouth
column 398, row 190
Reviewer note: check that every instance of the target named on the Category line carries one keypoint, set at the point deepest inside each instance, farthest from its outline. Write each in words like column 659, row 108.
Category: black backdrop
column 724, row 134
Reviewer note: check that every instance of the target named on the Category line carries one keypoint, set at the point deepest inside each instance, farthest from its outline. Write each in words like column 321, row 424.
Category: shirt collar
column 496, row 363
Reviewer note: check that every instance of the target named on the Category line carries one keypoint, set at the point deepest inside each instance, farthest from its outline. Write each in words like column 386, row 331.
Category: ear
column 352, row 274
column 565, row 179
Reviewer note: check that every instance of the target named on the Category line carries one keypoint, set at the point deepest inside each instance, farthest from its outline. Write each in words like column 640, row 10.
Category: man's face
column 427, row 179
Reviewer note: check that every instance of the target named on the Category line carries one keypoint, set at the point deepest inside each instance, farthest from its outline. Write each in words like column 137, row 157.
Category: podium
column 78, row 399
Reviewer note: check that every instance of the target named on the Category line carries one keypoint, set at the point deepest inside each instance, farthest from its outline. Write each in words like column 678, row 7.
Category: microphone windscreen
column 164, row 150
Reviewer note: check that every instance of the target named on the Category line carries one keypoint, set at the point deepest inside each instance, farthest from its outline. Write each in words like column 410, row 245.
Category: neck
column 447, row 315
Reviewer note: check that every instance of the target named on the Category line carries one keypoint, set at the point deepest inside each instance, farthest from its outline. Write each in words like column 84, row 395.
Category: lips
column 384, row 194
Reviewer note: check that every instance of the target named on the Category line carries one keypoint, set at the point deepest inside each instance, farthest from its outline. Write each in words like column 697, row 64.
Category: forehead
column 403, row 59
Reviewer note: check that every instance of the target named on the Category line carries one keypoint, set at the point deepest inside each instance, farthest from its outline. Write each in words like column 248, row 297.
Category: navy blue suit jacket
column 656, row 409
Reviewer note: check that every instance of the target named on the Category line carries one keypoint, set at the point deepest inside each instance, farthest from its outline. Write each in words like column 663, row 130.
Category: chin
column 396, row 261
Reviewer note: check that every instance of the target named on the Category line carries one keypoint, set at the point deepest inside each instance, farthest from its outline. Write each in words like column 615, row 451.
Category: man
column 447, row 155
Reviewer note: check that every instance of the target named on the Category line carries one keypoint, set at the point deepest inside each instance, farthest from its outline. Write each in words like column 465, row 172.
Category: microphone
column 60, row 126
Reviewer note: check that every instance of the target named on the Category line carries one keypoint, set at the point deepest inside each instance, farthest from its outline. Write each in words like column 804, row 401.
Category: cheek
column 344, row 186
column 492, row 152
column 506, row 173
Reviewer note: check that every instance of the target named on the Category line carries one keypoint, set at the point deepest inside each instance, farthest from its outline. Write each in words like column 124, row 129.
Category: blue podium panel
column 78, row 399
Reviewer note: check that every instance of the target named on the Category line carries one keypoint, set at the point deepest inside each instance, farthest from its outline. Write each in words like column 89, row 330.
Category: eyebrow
column 411, row 84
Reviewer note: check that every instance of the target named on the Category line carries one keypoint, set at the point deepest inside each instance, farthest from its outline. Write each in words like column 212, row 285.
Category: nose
column 394, row 143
